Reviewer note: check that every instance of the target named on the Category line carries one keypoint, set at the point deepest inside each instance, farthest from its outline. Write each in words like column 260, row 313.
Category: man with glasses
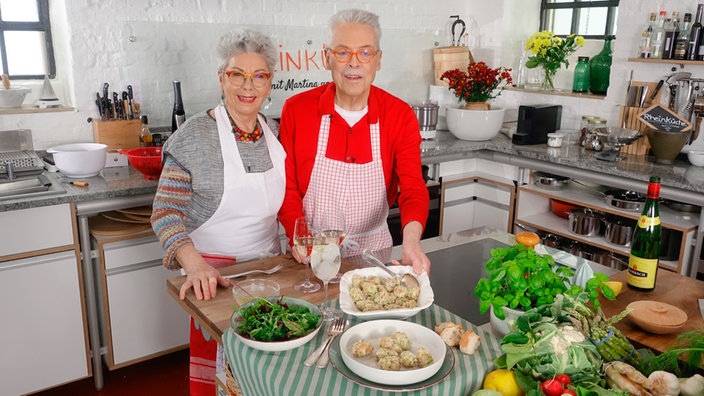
column 354, row 148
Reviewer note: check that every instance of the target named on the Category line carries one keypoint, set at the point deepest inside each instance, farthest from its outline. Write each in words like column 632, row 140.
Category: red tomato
column 551, row 387
column 568, row 392
column 564, row 379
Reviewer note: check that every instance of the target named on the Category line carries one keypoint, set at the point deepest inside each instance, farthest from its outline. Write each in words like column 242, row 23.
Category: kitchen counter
column 680, row 181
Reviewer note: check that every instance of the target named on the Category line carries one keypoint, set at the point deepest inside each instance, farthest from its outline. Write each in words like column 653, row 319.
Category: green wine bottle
column 645, row 247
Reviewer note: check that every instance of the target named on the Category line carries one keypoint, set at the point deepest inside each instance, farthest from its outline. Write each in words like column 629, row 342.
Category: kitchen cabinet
column 476, row 192
column 138, row 320
column 533, row 210
column 44, row 325
column 28, row 232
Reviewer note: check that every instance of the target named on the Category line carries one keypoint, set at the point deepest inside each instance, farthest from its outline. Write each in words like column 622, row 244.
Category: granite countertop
column 677, row 179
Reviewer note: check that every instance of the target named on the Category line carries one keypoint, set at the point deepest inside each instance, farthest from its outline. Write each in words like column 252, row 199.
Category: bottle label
column 641, row 272
column 645, row 221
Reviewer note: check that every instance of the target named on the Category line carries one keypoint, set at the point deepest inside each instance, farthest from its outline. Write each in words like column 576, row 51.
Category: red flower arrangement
column 479, row 82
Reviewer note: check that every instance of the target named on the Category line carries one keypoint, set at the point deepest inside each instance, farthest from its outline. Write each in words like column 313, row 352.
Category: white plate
column 420, row 336
column 347, row 305
column 277, row 346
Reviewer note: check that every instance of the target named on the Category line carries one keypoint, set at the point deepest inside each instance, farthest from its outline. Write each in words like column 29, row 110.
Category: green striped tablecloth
column 283, row 373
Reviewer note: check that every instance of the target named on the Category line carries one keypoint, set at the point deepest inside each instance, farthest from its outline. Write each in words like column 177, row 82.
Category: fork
column 256, row 271
column 335, row 330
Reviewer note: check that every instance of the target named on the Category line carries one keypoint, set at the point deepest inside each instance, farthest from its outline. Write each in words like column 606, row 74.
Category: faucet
column 10, row 170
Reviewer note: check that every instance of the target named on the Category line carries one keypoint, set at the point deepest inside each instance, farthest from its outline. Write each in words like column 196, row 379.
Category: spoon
column 407, row 280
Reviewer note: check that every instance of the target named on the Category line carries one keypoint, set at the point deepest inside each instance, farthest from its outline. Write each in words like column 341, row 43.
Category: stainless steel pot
column 585, row 222
column 625, row 199
column 550, row 182
column 619, row 230
column 427, row 114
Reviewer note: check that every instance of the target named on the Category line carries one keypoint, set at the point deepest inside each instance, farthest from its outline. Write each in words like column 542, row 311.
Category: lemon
column 615, row 286
column 502, row 381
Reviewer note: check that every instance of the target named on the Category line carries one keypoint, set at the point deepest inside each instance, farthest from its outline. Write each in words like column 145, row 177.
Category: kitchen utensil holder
column 118, row 135
column 628, row 118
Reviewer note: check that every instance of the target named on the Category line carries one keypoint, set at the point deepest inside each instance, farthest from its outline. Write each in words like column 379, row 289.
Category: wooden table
column 671, row 288
column 214, row 314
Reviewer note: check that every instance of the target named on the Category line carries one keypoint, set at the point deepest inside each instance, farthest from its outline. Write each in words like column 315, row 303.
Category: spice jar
column 555, row 139
column 584, row 129
column 592, row 141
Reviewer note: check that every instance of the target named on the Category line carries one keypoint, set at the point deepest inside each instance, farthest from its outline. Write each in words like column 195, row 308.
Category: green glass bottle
column 645, row 246
column 600, row 69
column 580, row 82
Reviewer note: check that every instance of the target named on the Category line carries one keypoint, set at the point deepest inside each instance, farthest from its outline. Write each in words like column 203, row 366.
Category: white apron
column 357, row 190
column 245, row 225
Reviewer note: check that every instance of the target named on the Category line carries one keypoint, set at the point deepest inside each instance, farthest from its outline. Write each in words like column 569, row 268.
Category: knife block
column 628, row 118
column 118, row 134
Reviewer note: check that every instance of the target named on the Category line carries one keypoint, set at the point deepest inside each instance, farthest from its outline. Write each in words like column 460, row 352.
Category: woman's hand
column 201, row 276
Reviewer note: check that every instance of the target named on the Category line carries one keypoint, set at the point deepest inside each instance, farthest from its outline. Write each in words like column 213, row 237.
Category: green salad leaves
column 520, row 278
column 269, row 321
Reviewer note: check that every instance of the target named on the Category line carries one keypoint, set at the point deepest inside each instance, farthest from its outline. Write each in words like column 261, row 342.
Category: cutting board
column 101, row 225
column 672, row 288
column 139, row 211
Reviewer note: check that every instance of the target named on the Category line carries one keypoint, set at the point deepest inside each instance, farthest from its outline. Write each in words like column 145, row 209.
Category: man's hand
column 411, row 252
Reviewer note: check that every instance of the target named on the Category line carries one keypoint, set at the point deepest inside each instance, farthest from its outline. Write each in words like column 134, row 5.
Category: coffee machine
column 535, row 122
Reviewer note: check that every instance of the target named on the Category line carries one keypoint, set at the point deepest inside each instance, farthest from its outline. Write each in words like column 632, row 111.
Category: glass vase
column 548, row 83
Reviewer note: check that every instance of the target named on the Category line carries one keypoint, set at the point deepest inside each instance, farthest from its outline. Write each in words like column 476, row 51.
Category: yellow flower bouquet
column 550, row 52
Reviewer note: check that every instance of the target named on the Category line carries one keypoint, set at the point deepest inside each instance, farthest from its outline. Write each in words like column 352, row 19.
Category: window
column 592, row 19
column 25, row 39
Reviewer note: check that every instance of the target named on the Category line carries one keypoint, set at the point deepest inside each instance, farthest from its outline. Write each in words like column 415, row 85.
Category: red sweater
column 400, row 148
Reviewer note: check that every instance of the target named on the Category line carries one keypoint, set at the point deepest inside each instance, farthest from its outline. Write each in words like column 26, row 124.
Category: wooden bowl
column 657, row 317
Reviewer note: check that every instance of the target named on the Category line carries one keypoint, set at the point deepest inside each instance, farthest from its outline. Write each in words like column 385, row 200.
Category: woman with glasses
column 354, row 147
column 222, row 185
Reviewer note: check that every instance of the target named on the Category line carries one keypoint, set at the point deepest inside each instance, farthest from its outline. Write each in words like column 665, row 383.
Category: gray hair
column 357, row 16
column 245, row 41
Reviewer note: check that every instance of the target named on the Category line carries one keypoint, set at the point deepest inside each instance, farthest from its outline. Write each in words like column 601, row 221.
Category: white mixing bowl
column 79, row 159
column 474, row 124
column 13, row 97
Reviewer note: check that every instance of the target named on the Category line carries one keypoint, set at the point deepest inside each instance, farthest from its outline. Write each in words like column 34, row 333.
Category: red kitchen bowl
column 146, row 160
column 560, row 208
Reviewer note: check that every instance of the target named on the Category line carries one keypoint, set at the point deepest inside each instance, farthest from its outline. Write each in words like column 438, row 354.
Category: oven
column 432, row 227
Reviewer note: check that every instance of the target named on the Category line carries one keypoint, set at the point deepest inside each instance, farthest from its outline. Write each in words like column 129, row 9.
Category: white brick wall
column 174, row 40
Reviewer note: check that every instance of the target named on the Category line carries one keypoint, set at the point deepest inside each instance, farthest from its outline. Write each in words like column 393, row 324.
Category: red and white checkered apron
column 357, row 190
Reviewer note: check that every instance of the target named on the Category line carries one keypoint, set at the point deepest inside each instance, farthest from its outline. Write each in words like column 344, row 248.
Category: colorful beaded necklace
column 243, row 136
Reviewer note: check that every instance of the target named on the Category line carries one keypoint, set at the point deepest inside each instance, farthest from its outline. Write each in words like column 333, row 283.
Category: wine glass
column 334, row 230
column 325, row 262
column 303, row 239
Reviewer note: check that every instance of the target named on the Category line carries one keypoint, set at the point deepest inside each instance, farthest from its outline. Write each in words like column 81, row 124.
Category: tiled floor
column 165, row 375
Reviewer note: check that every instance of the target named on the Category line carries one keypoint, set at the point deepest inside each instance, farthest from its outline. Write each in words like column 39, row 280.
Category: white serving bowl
column 282, row 345
column 13, row 97
column 79, row 159
column 347, row 306
column 366, row 367
column 475, row 125
column 696, row 157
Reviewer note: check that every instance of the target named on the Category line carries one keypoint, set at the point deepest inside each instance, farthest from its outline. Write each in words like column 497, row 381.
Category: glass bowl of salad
column 276, row 323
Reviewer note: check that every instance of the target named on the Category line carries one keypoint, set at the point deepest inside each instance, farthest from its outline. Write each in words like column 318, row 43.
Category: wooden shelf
column 534, row 211
column 29, row 109
column 559, row 93
column 670, row 61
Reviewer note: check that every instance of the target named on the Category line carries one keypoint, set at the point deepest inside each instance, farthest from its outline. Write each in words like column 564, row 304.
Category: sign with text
column 664, row 119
